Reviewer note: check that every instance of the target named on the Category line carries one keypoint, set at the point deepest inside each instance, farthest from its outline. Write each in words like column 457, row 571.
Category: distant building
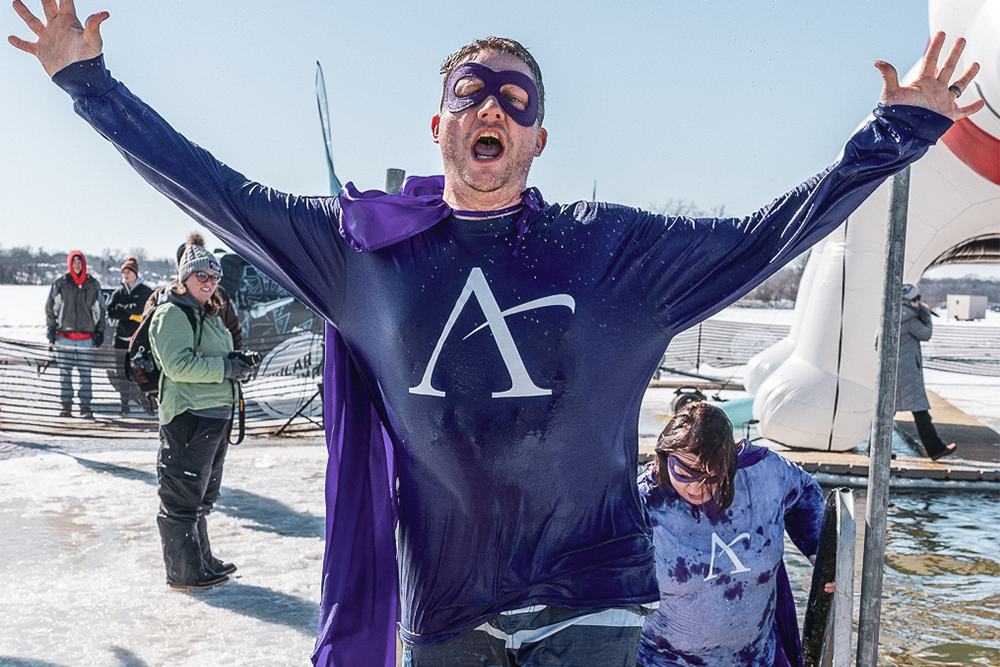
column 966, row 307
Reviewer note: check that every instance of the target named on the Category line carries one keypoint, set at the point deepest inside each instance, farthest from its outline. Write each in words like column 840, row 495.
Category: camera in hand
column 249, row 357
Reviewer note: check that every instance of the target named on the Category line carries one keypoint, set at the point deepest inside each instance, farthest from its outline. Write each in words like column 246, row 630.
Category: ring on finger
column 955, row 89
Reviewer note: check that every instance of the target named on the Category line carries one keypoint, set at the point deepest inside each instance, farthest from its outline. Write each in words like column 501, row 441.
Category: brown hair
column 706, row 432
column 212, row 306
column 500, row 45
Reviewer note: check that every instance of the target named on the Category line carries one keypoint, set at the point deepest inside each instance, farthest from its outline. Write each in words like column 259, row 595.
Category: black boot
column 211, row 582
column 125, row 410
column 948, row 449
column 224, row 568
column 66, row 409
column 182, row 553
column 213, row 564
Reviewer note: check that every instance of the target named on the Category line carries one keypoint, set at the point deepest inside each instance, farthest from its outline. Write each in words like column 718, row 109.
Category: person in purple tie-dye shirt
column 718, row 511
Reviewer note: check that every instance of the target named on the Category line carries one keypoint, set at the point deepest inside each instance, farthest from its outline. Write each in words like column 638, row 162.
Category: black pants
column 928, row 434
column 189, row 471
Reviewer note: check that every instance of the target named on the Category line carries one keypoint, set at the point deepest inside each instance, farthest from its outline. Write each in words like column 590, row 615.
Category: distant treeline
column 781, row 289
column 934, row 291
column 26, row 266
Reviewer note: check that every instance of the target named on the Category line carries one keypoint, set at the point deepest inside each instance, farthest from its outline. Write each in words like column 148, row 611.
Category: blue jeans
column 78, row 354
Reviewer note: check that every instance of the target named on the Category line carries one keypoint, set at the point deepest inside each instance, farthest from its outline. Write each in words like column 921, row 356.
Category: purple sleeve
column 697, row 267
column 804, row 506
column 294, row 240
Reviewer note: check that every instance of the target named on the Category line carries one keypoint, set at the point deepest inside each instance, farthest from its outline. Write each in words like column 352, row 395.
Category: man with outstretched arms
column 502, row 343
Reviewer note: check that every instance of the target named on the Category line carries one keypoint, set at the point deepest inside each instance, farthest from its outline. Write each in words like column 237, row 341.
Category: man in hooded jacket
column 74, row 314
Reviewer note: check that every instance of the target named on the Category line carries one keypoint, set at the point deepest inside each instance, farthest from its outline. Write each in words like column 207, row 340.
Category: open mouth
column 488, row 146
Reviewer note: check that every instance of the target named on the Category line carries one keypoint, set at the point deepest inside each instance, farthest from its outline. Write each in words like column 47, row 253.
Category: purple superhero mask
column 686, row 475
column 493, row 81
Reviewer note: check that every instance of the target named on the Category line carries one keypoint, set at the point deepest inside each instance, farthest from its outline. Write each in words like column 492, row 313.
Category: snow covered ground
column 976, row 395
column 22, row 312
column 82, row 570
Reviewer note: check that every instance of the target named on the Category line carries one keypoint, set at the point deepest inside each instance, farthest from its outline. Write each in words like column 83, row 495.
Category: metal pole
column 843, row 599
column 394, row 180
column 697, row 358
column 880, row 451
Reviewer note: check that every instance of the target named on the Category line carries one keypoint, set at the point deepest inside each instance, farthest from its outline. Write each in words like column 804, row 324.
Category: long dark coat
column 914, row 327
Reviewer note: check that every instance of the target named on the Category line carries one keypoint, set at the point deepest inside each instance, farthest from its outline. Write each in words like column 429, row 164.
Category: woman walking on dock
column 915, row 327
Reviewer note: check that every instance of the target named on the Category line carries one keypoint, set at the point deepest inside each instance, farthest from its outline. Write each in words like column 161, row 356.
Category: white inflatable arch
column 816, row 388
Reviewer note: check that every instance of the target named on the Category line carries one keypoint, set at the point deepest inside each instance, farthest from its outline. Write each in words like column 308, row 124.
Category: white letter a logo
column 521, row 383
column 728, row 550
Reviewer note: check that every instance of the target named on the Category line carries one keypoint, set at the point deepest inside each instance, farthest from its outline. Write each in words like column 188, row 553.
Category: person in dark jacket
column 227, row 311
column 914, row 327
column 74, row 315
column 125, row 307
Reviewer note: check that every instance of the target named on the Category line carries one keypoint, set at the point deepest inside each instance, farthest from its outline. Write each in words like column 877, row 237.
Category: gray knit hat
column 194, row 259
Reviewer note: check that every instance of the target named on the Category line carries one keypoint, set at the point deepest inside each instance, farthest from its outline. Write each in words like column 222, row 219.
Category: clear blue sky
column 719, row 103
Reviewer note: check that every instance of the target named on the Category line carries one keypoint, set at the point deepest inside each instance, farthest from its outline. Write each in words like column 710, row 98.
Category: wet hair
column 499, row 45
column 705, row 431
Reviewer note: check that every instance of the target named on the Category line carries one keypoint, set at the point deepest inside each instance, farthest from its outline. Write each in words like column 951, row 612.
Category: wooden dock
column 976, row 463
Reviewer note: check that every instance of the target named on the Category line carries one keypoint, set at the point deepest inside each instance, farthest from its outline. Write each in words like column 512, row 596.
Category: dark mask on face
column 492, row 83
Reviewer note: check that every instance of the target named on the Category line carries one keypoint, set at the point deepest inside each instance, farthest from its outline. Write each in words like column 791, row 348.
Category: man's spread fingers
column 944, row 76
column 931, row 56
column 51, row 9
column 889, row 76
column 970, row 109
column 24, row 45
column 33, row 23
column 967, row 78
column 94, row 22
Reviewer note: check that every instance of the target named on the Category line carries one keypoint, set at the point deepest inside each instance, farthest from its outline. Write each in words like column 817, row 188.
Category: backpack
column 140, row 367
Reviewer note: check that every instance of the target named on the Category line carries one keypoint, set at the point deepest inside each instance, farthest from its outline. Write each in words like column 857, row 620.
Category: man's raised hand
column 932, row 88
column 62, row 40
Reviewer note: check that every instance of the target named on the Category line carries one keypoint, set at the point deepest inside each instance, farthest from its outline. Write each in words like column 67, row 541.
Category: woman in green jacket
column 197, row 393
